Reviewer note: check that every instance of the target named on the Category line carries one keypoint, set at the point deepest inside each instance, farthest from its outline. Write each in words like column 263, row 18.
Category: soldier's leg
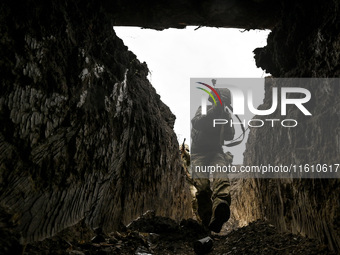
column 221, row 183
column 203, row 193
column 221, row 195
column 194, row 205
column 203, row 200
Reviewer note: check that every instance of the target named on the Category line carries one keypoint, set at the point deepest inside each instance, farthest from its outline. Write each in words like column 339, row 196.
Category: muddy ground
column 158, row 235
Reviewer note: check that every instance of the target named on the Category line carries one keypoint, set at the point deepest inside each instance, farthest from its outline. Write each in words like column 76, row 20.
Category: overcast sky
column 176, row 55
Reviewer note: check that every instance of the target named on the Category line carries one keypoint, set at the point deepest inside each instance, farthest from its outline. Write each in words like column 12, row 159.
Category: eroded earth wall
column 83, row 134
column 305, row 43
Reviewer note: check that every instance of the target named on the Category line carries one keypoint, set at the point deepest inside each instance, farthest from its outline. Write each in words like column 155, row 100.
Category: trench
column 84, row 152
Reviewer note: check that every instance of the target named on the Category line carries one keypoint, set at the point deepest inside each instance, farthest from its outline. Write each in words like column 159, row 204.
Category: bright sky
column 176, row 55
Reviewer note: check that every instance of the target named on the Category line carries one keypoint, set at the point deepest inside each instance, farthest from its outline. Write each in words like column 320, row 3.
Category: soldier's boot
column 220, row 214
column 204, row 207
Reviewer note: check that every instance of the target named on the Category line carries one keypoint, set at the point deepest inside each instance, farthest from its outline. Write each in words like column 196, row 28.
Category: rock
column 153, row 224
column 142, row 251
column 76, row 253
column 80, row 120
column 203, row 246
column 98, row 239
column 192, row 229
column 256, row 238
column 302, row 45
column 179, row 14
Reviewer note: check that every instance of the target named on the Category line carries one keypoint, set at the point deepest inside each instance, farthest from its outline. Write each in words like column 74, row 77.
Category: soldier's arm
column 201, row 122
column 229, row 131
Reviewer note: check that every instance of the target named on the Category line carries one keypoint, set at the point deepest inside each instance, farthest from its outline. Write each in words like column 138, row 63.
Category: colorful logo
column 212, row 89
column 238, row 100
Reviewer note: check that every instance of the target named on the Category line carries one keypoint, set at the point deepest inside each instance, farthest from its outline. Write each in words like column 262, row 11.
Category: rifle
column 183, row 145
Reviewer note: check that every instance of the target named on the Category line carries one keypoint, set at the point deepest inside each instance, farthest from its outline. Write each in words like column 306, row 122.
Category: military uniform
column 213, row 199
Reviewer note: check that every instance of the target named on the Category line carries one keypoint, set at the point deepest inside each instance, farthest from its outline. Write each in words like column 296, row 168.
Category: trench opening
column 174, row 56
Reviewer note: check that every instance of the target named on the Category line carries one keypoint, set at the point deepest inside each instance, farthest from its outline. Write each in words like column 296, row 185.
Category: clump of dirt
column 263, row 238
column 160, row 235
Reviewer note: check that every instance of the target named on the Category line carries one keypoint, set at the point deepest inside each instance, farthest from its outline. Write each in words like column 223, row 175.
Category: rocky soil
column 159, row 235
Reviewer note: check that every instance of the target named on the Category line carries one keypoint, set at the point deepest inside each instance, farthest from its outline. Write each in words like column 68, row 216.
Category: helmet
column 225, row 95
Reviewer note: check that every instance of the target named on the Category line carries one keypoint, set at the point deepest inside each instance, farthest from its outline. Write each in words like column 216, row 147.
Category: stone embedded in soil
column 257, row 238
